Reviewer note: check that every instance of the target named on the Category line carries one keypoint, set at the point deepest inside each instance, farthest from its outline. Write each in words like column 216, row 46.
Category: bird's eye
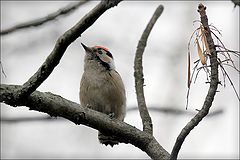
column 100, row 52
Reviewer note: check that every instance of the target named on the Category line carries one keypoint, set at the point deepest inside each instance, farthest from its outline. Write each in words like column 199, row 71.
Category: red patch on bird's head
column 97, row 46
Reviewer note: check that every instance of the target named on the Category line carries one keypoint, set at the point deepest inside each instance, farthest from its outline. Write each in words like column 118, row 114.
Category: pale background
column 165, row 73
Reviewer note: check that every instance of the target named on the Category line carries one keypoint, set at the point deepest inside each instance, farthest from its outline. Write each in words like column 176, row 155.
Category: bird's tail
column 107, row 140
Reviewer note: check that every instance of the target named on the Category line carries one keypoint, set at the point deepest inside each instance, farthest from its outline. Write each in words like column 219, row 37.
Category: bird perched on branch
column 102, row 88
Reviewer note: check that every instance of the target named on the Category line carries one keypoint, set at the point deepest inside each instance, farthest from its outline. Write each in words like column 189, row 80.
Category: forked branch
column 60, row 47
column 57, row 106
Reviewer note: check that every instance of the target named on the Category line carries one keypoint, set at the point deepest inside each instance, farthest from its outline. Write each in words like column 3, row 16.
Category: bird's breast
column 104, row 92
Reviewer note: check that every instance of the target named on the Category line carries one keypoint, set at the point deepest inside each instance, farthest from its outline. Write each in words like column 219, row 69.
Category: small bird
column 101, row 87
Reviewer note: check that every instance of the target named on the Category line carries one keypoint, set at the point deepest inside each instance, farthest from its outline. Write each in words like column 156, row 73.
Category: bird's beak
column 87, row 49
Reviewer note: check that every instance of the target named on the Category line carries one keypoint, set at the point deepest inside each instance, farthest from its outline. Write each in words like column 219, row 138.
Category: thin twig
column 189, row 64
column 60, row 47
column 37, row 22
column 174, row 111
column 229, row 56
column 226, row 64
column 226, row 74
column 198, row 70
column 2, row 70
column 28, row 119
column 212, row 27
column 190, row 82
column 224, row 77
column 138, row 72
column 227, row 60
column 164, row 110
column 211, row 92
column 236, row 53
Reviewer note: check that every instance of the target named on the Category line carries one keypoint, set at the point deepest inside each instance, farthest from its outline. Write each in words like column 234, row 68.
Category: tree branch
column 138, row 72
column 236, row 2
column 55, row 105
column 163, row 110
column 175, row 111
column 60, row 47
column 212, row 89
column 27, row 119
column 37, row 22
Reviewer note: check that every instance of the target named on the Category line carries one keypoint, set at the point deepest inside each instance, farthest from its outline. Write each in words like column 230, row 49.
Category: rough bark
column 56, row 106
column 60, row 47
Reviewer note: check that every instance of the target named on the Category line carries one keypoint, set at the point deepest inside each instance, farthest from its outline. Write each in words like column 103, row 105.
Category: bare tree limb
column 236, row 2
column 60, row 47
column 37, row 22
column 27, row 119
column 55, row 105
column 164, row 110
column 138, row 72
column 212, row 89
column 175, row 111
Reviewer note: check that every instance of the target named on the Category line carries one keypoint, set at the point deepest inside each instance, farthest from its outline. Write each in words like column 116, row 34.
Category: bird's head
column 99, row 54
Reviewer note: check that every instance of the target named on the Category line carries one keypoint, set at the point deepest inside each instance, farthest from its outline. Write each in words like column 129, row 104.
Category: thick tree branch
column 37, row 22
column 138, row 72
column 55, row 105
column 212, row 89
column 60, row 47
